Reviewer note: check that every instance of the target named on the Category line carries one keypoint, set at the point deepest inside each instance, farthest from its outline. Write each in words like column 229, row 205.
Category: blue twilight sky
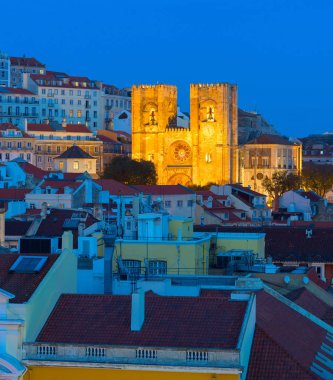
column 279, row 52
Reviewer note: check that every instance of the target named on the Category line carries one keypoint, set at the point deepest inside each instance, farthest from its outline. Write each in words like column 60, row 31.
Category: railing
column 129, row 354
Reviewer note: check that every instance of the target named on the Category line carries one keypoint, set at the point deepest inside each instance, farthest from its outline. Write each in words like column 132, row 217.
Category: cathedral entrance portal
column 181, row 179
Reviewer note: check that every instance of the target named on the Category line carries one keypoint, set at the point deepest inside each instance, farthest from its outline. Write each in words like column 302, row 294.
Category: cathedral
column 206, row 151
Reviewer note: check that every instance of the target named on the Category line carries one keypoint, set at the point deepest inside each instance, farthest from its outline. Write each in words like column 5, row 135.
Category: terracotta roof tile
column 115, row 187
column 16, row 227
column 22, row 285
column 25, row 61
column 269, row 361
column 169, row 321
column 13, row 194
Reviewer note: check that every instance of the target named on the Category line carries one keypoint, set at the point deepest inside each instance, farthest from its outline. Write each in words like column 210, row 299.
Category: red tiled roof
column 24, row 61
column 169, row 321
column 5, row 126
column 247, row 190
column 163, row 189
column 271, row 139
column 295, row 333
column 77, row 128
column 270, row 361
column 308, row 301
column 32, row 169
column 40, row 128
column 60, row 183
column 16, row 227
column 18, row 91
column 13, row 194
column 207, row 193
column 310, row 195
column 22, row 285
column 115, row 187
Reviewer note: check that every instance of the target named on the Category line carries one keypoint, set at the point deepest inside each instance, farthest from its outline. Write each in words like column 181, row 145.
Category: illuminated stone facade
column 205, row 152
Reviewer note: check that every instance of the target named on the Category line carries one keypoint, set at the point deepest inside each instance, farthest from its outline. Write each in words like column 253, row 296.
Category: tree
column 318, row 178
column 131, row 172
column 281, row 182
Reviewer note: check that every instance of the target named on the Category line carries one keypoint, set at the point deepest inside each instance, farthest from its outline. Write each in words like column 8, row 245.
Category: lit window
column 76, row 165
column 61, row 165
column 79, row 113
column 71, row 113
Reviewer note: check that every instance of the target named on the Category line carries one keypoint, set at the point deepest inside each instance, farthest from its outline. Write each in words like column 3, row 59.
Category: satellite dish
column 305, row 280
column 286, row 279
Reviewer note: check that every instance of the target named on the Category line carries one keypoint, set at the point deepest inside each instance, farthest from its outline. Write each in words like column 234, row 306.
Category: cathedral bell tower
column 154, row 109
column 214, row 130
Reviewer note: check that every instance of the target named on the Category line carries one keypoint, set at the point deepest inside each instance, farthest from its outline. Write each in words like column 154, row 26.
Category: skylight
column 28, row 264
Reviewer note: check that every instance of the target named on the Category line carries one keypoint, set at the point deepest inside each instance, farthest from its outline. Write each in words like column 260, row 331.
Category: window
column 43, row 91
column 62, row 92
column 190, row 203
column 70, row 92
column 7, row 156
column 167, row 204
column 71, row 112
column 132, row 266
column 179, row 203
column 39, row 159
column 61, row 165
column 58, row 149
column 71, row 102
column 79, row 102
column 157, row 267
column 76, row 165
column 28, row 156
column 79, row 92
column 79, row 113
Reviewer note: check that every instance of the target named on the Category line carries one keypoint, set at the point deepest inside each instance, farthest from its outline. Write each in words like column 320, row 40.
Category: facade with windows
column 54, row 139
column 177, row 200
column 75, row 100
column 17, row 104
column 267, row 154
column 21, row 65
column 113, row 102
column 164, row 246
column 4, row 70
column 15, row 143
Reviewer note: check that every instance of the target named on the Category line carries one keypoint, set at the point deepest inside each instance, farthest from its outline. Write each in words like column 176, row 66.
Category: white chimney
column 138, row 310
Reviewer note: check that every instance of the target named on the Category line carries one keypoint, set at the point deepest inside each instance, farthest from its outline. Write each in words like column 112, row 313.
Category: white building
column 17, row 104
column 63, row 97
column 20, row 65
column 4, row 70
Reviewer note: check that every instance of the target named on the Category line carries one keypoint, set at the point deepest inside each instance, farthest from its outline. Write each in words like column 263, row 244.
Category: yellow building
column 267, row 154
column 164, row 246
column 205, row 152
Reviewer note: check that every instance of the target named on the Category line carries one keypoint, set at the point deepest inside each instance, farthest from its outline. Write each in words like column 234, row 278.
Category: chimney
column 43, row 212
column 137, row 310
column 67, row 241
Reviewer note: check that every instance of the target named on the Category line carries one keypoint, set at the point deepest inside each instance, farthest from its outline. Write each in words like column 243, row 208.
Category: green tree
column 318, row 178
column 281, row 182
column 131, row 172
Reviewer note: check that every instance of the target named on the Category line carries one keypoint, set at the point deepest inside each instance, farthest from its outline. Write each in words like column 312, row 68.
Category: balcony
column 50, row 95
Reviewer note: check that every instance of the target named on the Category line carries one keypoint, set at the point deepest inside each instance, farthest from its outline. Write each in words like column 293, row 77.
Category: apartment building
column 15, row 143
column 73, row 99
column 4, row 69
column 113, row 101
column 21, row 65
column 17, row 104
column 53, row 139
